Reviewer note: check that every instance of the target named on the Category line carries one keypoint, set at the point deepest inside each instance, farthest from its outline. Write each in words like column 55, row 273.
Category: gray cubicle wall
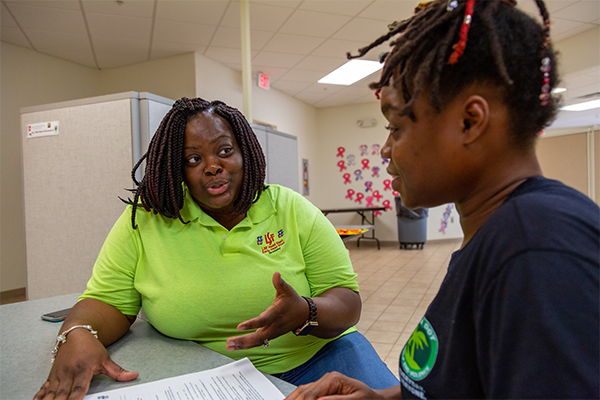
column 72, row 180
column 281, row 152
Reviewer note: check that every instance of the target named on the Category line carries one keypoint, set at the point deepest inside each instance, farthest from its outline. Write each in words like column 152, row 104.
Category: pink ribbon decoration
column 359, row 197
column 341, row 165
column 377, row 195
column 351, row 158
column 358, row 174
column 376, row 213
column 369, row 201
column 341, row 151
column 386, row 204
column 385, row 160
column 376, row 148
column 350, row 194
column 347, row 178
column 387, row 184
column 368, row 186
column 395, row 193
column 375, row 172
column 364, row 149
column 365, row 163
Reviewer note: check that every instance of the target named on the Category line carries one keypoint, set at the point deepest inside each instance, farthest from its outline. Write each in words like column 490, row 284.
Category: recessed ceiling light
column 588, row 105
column 352, row 71
column 558, row 90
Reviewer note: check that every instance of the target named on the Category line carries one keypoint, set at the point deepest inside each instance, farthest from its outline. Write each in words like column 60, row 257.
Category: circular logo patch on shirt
column 420, row 352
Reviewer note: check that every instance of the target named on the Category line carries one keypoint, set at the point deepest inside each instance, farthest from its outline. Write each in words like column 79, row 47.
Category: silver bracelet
column 62, row 338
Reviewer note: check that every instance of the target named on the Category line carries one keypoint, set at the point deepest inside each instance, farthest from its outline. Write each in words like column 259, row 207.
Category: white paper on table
column 235, row 381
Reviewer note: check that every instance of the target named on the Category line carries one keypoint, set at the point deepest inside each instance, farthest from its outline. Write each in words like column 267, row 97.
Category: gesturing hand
column 335, row 386
column 289, row 310
column 81, row 357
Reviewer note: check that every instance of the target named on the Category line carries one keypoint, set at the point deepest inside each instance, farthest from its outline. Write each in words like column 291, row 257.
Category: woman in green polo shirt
column 216, row 256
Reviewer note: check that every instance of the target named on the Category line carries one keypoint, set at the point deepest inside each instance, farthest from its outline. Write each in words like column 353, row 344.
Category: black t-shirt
column 517, row 315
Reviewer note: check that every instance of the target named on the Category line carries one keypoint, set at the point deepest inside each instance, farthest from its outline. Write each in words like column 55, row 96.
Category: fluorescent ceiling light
column 352, row 71
column 588, row 105
column 558, row 90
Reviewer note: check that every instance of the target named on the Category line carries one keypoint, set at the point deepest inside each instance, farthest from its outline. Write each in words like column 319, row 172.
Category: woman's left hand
column 289, row 310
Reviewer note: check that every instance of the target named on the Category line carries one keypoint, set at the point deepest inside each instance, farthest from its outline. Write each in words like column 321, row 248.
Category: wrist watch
column 311, row 323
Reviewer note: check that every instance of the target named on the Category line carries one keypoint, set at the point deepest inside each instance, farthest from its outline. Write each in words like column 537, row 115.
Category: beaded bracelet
column 62, row 338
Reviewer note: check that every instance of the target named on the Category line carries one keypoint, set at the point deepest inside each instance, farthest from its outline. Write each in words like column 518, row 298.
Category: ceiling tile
column 290, row 87
column 311, row 98
column 225, row 55
column 128, row 8
column 263, row 17
column 365, row 99
column 179, row 32
column 119, row 26
column 584, row 11
column 48, row 19
column 231, row 37
column 68, row 46
column 113, row 52
column 301, row 75
column 389, row 10
column 5, row 18
column 350, row 8
column 296, row 44
column 361, row 29
column 337, row 47
column 530, row 7
column 166, row 49
column 314, row 24
column 65, row 4
column 279, row 3
column 276, row 59
column 324, row 88
column 272, row 72
column 14, row 36
column 333, row 100
column 562, row 29
column 322, row 64
column 204, row 12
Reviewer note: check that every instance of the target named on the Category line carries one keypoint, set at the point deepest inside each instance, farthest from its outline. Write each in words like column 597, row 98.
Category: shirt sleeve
column 113, row 276
column 538, row 328
column 327, row 260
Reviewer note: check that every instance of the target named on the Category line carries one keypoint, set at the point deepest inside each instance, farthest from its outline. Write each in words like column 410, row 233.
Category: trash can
column 412, row 225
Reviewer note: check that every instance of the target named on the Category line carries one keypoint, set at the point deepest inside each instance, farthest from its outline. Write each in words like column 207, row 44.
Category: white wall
column 27, row 79
column 337, row 128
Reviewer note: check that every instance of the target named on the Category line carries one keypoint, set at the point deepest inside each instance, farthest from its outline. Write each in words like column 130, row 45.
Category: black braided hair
column 161, row 188
column 505, row 48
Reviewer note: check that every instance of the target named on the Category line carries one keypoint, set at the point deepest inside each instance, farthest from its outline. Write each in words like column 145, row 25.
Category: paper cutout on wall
column 446, row 217
column 365, row 163
column 394, row 193
column 368, row 186
column 341, row 151
column 377, row 195
column 350, row 194
column 387, row 184
column 351, row 158
column 375, row 172
column 385, row 160
column 364, row 149
column 386, row 204
column 369, row 200
column 358, row 174
column 341, row 165
column 346, row 177
column 359, row 197
column 376, row 148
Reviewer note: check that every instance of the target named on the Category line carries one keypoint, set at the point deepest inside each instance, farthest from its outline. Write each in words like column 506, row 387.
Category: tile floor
column 396, row 286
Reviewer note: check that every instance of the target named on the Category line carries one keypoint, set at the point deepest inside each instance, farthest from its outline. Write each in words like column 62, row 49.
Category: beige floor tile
column 382, row 336
column 364, row 324
column 382, row 349
column 391, row 326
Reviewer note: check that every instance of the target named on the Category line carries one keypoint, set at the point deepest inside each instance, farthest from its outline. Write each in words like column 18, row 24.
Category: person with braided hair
column 204, row 247
column 466, row 90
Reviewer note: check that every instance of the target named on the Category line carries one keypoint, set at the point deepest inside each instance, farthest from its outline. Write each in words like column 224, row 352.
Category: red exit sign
column 263, row 81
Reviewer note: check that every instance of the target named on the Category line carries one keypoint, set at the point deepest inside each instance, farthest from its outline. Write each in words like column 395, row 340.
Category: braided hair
column 161, row 188
column 505, row 48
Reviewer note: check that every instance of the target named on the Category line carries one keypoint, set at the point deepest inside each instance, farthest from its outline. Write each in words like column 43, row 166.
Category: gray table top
column 26, row 342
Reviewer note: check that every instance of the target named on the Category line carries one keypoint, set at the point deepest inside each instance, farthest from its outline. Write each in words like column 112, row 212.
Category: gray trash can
column 412, row 225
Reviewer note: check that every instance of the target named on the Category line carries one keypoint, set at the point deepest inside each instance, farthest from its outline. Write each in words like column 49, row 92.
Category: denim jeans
column 351, row 355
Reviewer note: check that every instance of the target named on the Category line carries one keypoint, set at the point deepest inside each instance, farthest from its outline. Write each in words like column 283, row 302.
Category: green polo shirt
column 198, row 281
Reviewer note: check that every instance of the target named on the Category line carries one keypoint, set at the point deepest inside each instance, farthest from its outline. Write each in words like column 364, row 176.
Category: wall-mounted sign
column 42, row 129
column 263, row 81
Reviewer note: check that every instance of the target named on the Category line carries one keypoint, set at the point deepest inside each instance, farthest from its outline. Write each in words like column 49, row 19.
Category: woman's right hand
column 335, row 386
column 78, row 359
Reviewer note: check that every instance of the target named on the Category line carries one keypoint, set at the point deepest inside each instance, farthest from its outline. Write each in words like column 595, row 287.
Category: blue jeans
column 351, row 355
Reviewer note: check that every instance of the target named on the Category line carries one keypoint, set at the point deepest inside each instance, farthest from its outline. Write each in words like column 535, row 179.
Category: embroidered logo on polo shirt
column 272, row 245
column 419, row 354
